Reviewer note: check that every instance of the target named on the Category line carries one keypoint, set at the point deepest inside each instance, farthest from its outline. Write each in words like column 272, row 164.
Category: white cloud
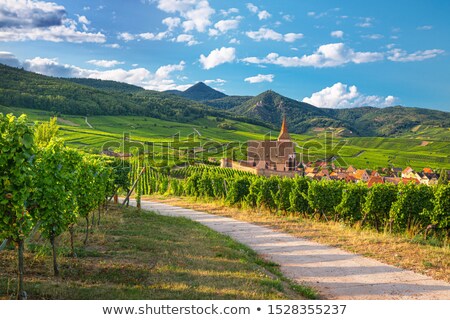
column 226, row 25
column 329, row 55
column 160, row 80
column 113, row 46
column 172, row 22
column 252, row 8
column 9, row 59
column 337, row 34
column 105, row 63
column 292, row 37
column 288, row 18
column 342, row 96
column 23, row 20
column 235, row 41
column 218, row 81
column 365, row 23
column 269, row 34
column 218, row 57
column 425, row 28
column 126, row 36
column 263, row 15
column 398, row 55
column 188, row 38
column 373, row 36
column 196, row 13
column 260, row 78
column 83, row 19
column 226, row 13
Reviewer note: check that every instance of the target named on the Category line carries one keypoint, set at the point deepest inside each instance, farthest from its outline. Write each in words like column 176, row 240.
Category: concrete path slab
column 334, row 273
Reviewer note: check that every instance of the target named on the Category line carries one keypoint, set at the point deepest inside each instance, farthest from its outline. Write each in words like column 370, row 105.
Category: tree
column 443, row 177
column 17, row 153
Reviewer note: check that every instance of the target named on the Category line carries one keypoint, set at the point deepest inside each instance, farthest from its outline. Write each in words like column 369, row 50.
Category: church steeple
column 284, row 134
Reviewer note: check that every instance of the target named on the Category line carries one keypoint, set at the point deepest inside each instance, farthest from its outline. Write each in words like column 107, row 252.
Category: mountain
column 199, row 92
column 270, row 107
column 372, row 121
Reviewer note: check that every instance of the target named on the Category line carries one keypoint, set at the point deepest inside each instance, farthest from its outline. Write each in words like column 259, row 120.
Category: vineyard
column 46, row 187
column 406, row 208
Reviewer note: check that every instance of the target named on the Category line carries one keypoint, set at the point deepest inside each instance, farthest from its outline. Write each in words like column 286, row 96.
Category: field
column 422, row 147
column 140, row 255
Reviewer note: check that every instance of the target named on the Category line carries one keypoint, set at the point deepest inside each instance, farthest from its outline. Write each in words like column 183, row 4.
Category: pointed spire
column 284, row 134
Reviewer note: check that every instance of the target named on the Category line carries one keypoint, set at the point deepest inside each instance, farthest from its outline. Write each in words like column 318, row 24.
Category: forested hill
column 20, row 88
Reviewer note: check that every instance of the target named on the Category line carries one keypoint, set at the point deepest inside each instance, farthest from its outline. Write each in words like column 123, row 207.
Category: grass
column 141, row 255
column 413, row 254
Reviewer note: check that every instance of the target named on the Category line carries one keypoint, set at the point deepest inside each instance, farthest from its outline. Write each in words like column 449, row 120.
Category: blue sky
column 329, row 53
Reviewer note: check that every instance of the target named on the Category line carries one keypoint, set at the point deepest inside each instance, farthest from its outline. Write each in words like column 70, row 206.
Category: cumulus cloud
column 160, row 80
column 217, row 81
column 9, row 59
column 172, row 22
column 398, row 55
column 226, row 13
column 223, row 26
column 105, row 63
column 22, row 20
column 252, row 8
column 263, row 15
column 260, row 78
column 329, row 55
column 218, row 57
column 126, row 36
column 342, row 96
column 187, row 38
column 196, row 13
column 337, row 34
column 269, row 34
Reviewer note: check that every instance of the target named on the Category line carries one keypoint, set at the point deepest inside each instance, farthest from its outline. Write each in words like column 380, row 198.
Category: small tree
column 443, row 178
column 17, row 153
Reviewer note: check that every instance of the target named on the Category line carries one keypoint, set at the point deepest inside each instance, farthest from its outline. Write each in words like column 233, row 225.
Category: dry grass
column 395, row 250
column 140, row 255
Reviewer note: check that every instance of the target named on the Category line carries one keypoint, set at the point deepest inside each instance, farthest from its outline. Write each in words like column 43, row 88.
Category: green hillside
column 199, row 92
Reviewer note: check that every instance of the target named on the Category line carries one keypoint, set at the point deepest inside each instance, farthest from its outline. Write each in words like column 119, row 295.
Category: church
column 275, row 155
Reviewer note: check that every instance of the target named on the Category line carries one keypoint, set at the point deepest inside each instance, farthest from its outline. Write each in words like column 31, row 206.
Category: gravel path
column 334, row 273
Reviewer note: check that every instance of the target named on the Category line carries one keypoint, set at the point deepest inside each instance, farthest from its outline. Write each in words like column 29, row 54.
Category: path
column 88, row 124
column 336, row 274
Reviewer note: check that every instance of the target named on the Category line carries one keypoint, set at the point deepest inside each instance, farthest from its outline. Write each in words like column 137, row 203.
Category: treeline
column 46, row 187
column 409, row 208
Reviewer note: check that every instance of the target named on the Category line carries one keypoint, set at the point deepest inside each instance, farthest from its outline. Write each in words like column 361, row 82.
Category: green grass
column 141, row 255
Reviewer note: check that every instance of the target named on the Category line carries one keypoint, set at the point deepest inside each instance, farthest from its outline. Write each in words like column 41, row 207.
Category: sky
column 335, row 54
